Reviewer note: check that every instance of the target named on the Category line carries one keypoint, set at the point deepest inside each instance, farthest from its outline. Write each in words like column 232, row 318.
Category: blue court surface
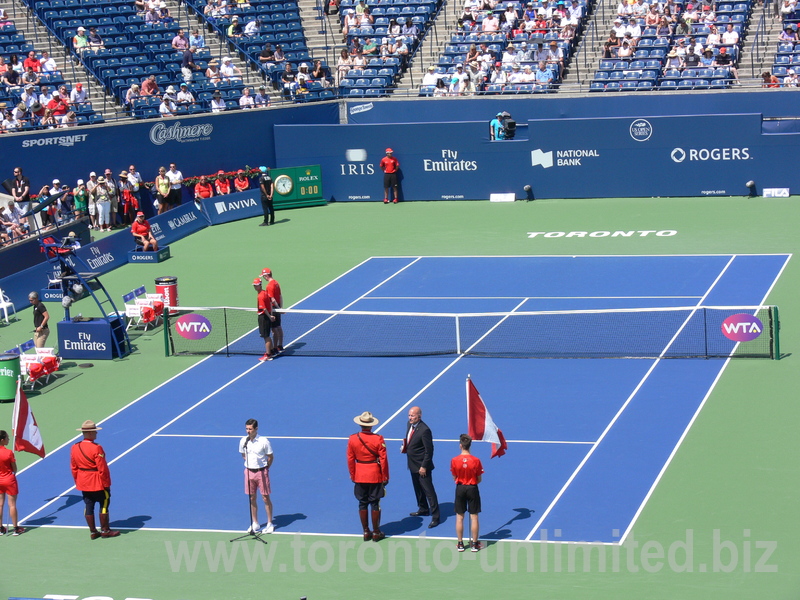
column 588, row 438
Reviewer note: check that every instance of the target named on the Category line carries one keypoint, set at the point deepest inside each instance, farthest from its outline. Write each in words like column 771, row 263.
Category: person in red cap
column 265, row 317
column 92, row 477
column 223, row 184
column 276, row 300
column 390, row 166
column 241, row 182
column 140, row 229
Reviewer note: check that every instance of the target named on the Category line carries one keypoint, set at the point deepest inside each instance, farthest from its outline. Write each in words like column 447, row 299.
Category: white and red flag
column 480, row 425
column 26, row 432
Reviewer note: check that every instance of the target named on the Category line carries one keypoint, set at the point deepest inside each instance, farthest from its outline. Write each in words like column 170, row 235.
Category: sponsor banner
column 149, row 257
column 88, row 339
column 776, row 192
column 177, row 223
column 636, row 156
column 232, row 207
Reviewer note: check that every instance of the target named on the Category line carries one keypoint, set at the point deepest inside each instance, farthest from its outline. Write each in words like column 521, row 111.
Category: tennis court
column 588, row 439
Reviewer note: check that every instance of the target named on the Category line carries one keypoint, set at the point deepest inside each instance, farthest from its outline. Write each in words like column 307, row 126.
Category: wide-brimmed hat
column 89, row 426
column 101, row 179
column 366, row 419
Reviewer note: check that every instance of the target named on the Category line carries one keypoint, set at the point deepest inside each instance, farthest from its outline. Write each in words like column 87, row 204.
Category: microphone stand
column 254, row 535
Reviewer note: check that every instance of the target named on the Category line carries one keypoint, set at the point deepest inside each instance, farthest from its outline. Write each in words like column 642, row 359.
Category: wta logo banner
column 193, row 327
column 742, row 327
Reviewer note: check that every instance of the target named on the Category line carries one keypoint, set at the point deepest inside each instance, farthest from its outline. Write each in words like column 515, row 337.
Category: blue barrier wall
column 201, row 144
column 559, row 158
column 771, row 103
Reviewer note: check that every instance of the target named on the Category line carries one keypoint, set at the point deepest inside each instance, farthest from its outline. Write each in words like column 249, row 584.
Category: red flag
column 480, row 424
column 26, row 432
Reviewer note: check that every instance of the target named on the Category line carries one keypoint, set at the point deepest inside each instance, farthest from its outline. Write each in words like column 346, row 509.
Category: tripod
column 255, row 535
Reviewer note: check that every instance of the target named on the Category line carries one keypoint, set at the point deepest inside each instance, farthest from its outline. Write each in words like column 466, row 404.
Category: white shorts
column 92, row 208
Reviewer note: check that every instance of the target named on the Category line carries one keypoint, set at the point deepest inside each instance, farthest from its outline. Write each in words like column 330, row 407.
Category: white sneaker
column 254, row 528
column 269, row 528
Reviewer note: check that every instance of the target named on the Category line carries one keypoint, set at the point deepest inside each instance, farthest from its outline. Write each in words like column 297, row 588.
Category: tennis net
column 682, row 332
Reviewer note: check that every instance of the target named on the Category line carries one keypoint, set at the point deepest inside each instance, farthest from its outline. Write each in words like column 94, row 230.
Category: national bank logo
column 193, row 327
column 538, row 157
column 742, row 327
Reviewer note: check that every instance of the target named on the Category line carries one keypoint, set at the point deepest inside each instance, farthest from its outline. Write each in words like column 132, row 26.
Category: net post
column 775, row 327
column 165, row 317
column 458, row 335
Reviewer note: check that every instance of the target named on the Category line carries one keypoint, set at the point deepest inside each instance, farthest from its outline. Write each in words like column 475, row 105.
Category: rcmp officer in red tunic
column 369, row 470
column 92, row 477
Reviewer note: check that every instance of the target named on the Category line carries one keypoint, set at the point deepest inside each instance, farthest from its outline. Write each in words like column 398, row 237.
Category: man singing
column 257, row 454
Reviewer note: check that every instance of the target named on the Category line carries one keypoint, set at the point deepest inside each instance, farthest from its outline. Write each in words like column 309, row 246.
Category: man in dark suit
column 418, row 447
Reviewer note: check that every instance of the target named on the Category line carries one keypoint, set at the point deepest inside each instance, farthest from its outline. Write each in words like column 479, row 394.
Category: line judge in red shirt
column 92, row 477
column 390, row 167
column 140, row 229
column 265, row 318
column 467, row 471
column 369, row 472
column 276, row 299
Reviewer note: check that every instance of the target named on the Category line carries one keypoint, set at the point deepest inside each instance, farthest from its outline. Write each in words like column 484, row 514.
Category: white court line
column 622, row 408
column 343, row 438
column 534, row 256
column 61, row 495
column 528, row 297
column 692, row 420
column 446, row 369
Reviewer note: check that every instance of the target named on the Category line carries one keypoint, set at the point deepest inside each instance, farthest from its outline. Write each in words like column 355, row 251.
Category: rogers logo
column 678, row 155
column 160, row 133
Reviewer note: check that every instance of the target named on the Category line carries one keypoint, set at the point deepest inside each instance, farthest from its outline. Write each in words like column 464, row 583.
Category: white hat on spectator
column 80, row 182
column 790, row 71
column 56, row 95
column 81, row 29
column 56, row 182
column 226, row 59
column 459, row 66
column 171, row 89
column 92, row 174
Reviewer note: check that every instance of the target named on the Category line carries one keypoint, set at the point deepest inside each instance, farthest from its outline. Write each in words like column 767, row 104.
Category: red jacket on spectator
column 33, row 63
column 58, row 106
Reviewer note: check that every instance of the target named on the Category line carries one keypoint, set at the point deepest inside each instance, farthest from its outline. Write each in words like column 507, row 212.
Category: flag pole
column 467, row 399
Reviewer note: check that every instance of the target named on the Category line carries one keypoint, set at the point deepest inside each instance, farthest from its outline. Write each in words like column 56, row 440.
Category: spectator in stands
column 80, row 42
column 80, row 195
column 509, row 19
column 49, row 120
column 140, row 229
column 12, row 79
column 541, row 54
column 769, row 80
column 31, row 77
column 69, row 120
column 12, row 221
column 13, row 63
column 540, row 23
column 279, row 55
column 791, row 80
column 633, row 31
column 150, row 87
column 555, row 57
column 217, row 103
column 575, row 13
column 440, row 89
column 235, row 29
column 246, row 101
column 498, row 75
column 29, row 96
column 78, row 94
column 618, row 29
column 95, row 41
column 491, row 24
column 163, row 14
column 184, row 97
column 544, row 77
column 691, row 60
column 48, row 63
column 510, row 55
column 167, row 107
column 365, row 19
column 223, row 184
column 664, row 28
column 343, row 65
column 58, row 105
column 3, row 65
column 730, row 37
column 179, row 42
column 527, row 75
column 707, row 16
column 102, row 198
column 787, row 8
column 212, row 73
column 725, row 61
column 673, row 61
column 683, row 28
column 31, row 62
column 611, row 47
column 652, row 17
column 133, row 92
column 203, row 189
column 303, row 75
column 523, row 54
column 288, row 82
column 4, row 18
column 151, row 16
column 707, row 60
column 261, row 98
column 410, row 30
column 252, row 28
column 789, row 34
column 349, row 22
column 188, row 66
column 694, row 47
column 431, row 77
column 9, row 122
column 713, row 39
column 459, row 81
column 197, row 40
column 140, row 6
column 623, row 10
column 400, row 50
column 515, row 76
column 229, row 71
column 171, row 94
column 568, row 33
